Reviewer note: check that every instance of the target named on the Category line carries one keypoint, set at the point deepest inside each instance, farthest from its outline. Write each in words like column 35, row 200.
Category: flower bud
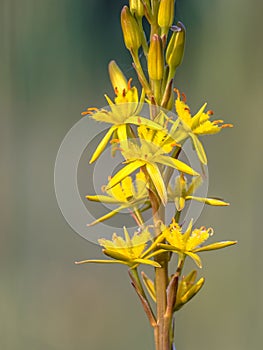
column 175, row 49
column 130, row 29
column 155, row 58
column 166, row 13
column 136, row 7
column 117, row 78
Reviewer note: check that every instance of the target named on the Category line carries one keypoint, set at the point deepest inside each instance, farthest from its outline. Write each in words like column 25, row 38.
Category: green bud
column 166, row 13
column 155, row 58
column 131, row 31
column 136, row 7
column 117, row 78
column 175, row 49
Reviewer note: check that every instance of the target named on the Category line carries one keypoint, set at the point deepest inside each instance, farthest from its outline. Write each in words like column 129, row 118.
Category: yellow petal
column 209, row 201
column 147, row 262
column 149, row 286
column 214, row 246
column 126, row 171
column 199, row 148
column 100, row 148
column 175, row 163
column 103, row 199
column 157, row 180
column 192, row 291
column 107, row 216
column 196, row 258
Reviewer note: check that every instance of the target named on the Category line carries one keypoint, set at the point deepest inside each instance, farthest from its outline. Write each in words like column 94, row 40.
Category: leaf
column 175, row 163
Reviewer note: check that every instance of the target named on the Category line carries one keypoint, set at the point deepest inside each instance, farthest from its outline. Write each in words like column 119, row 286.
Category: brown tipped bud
column 136, row 7
column 166, row 13
column 117, row 78
column 175, row 49
column 131, row 31
column 155, row 58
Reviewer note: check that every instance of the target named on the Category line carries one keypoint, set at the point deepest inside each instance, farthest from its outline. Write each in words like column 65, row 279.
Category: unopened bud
column 192, row 291
column 155, row 58
column 136, row 7
column 130, row 29
column 175, row 49
column 117, row 78
column 166, row 13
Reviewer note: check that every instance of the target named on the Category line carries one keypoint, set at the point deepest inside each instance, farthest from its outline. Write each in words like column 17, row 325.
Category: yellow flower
column 181, row 192
column 123, row 111
column 196, row 125
column 189, row 243
column 127, row 194
column 148, row 153
column 187, row 288
column 127, row 251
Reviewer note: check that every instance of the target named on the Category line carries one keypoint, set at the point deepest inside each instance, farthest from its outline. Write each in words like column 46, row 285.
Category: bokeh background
column 53, row 58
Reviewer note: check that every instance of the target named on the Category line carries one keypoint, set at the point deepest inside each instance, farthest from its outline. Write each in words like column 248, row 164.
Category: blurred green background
column 53, row 58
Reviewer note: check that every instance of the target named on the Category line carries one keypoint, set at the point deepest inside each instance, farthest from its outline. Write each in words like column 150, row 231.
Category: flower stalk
column 151, row 147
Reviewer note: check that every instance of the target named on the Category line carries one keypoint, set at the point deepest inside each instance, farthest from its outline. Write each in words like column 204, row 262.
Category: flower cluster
column 152, row 175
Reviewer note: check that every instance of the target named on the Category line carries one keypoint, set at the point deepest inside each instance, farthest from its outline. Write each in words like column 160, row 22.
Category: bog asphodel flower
column 147, row 152
column 123, row 111
column 128, row 251
column 191, row 241
column 183, row 191
column 126, row 194
column 197, row 125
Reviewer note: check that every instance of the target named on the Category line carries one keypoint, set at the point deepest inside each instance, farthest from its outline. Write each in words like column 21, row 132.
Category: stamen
column 129, row 84
column 210, row 112
column 219, row 121
column 178, row 93
column 227, row 126
column 90, row 110
column 116, row 91
column 114, row 141
column 184, row 97
column 210, row 231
